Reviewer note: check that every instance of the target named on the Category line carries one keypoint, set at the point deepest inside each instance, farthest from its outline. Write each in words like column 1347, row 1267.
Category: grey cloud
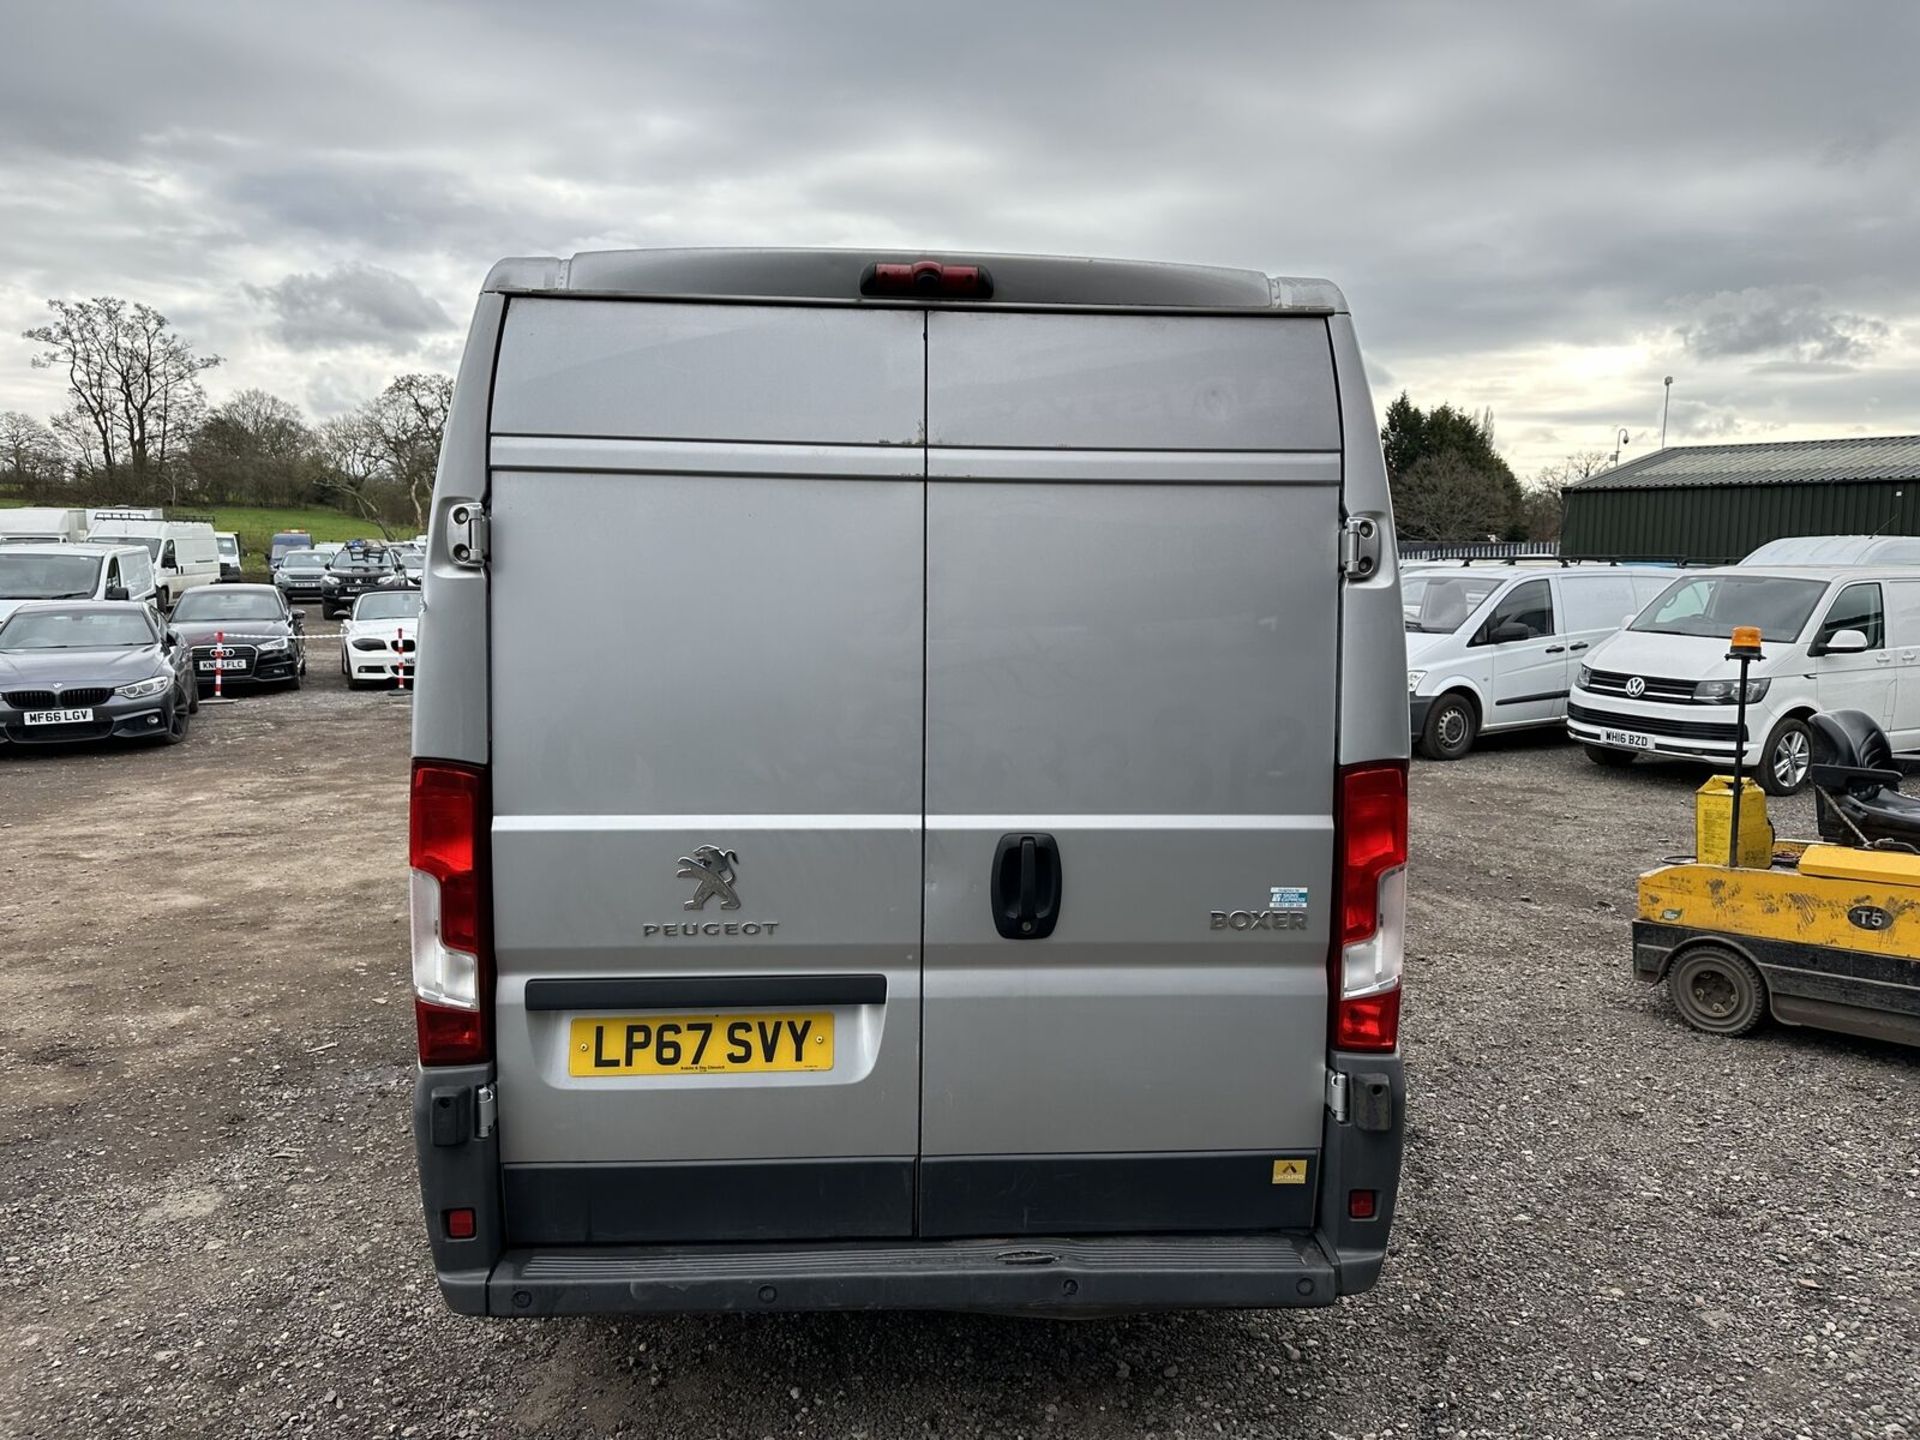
column 353, row 305
column 1795, row 327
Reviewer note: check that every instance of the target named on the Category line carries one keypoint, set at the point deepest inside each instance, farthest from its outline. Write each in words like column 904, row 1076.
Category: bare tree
column 355, row 464
column 133, row 381
column 408, row 417
column 31, row 460
column 1446, row 496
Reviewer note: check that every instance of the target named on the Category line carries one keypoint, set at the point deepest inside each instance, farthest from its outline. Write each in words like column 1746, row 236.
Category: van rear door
column 706, row 693
column 1133, row 607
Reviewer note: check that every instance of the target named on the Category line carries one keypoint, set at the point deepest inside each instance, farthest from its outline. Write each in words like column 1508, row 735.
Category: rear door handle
column 1581, row 646
column 1026, row 886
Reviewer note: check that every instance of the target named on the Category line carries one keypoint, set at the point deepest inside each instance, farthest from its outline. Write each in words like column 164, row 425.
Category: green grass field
column 257, row 525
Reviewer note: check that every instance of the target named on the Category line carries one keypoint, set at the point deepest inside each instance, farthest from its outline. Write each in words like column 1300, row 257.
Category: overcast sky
column 1541, row 208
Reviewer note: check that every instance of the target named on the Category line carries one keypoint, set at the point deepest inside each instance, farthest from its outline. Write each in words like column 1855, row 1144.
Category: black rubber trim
column 701, row 1201
column 1051, row 1275
column 1543, row 695
column 699, row 992
column 1199, row 1192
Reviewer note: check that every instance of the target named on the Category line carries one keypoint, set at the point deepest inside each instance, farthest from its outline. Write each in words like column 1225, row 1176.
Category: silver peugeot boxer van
column 909, row 790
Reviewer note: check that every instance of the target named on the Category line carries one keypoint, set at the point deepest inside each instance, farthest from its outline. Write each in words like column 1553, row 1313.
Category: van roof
column 1810, row 572
column 56, row 547
column 1019, row 281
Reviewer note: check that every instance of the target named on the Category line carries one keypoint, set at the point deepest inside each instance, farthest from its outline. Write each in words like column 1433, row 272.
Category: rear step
column 1115, row 1272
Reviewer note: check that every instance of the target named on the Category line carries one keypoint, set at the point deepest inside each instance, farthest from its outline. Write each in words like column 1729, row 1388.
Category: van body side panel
column 1373, row 632
column 1141, row 670
column 451, row 686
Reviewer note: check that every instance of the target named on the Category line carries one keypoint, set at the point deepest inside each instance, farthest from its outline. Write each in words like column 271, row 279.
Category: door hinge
column 1359, row 547
column 485, row 1110
column 1337, row 1095
column 468, row 542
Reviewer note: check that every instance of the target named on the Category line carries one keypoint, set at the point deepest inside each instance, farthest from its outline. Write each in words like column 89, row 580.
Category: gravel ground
column 208, row 1226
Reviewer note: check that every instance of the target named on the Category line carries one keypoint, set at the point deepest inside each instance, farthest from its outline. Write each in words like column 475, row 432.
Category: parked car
column 359, row 567
column 231, row 554
column 248, row 634
column 1494, row 649
column 301, row 575
column 413, row 562
column 91, row 670
column 285, row 543
column 746, row 974
column 1841, row 637
column 377, row 642
column 58, row 571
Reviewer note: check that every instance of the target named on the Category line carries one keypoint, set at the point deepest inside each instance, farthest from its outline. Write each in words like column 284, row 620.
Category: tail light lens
column 452, row 978
column 930, row 278
column 1367, row 964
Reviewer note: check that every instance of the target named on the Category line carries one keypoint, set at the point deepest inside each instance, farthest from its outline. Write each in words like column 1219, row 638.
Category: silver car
column 951, row 852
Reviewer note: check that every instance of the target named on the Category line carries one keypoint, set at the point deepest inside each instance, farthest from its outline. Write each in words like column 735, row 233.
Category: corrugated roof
column 1784, row 462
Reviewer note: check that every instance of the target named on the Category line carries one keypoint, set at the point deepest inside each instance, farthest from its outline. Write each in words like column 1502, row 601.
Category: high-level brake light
column 452, row 980
column 1369, row 954
column 931, row 279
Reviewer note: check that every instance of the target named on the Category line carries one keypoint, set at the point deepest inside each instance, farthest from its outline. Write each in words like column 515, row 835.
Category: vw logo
column 1636, row 687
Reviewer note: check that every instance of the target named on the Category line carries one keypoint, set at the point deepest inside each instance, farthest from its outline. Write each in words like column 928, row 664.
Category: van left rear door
column 706, row 714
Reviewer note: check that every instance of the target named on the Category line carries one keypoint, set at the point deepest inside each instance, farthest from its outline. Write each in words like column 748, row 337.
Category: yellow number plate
column 728, row 1044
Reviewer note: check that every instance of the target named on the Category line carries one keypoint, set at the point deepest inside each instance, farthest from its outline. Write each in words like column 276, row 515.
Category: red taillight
column 1373, row 840
column 1363, row 1204
column 452, row 979
column 930, row 278
column 1371, row 825
column 460, row 1224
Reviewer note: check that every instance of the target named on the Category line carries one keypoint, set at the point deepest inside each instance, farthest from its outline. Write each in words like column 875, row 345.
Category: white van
column 1826, row 550
column 33, row 524
column 58, row 571
column 1492, row 649
column 958, row 862
column 185, row 553
column 1833, row 638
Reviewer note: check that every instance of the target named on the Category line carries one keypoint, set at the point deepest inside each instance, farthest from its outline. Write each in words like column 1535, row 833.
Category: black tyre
column 1612, row 759
column 1451, row 728
column 179, row 721
column 1717, row 990
column 1787, row 758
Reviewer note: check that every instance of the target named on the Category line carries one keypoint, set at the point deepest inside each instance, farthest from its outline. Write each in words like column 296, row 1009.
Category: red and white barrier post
column 219, row 653
column 399, row 659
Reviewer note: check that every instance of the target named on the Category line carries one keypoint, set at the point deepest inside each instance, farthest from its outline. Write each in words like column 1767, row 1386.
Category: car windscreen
column 121, row 628
column 207, row 603
column 1440, row 604
column 395, row 605
column 362, row 560
column 303, row 560
column 1711, row 605
column 229, row 547
column 48, row 577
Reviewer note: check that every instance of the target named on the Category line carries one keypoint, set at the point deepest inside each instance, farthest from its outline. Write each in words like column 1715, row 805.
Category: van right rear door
column 1133, row 606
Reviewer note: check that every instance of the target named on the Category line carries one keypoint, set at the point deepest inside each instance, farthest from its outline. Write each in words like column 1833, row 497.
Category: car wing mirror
column 1509, row 632
column 169, row 640
column 1844, row 642
column 117, row 592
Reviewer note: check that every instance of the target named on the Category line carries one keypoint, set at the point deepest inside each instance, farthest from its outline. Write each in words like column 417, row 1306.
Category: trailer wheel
column 1717, row 990
column 1451, row 728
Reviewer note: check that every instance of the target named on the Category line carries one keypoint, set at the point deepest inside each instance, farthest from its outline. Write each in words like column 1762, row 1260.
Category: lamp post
column 1665, row 406
column 1620, row 438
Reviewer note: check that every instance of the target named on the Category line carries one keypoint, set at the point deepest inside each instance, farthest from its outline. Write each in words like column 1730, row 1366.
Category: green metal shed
column 1714, row 504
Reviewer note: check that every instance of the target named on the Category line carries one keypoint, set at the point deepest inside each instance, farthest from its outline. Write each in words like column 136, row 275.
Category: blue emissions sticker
column 1288, row 897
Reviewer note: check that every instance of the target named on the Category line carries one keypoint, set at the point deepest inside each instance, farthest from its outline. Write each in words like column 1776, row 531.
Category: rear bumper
column 1057, row 1275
